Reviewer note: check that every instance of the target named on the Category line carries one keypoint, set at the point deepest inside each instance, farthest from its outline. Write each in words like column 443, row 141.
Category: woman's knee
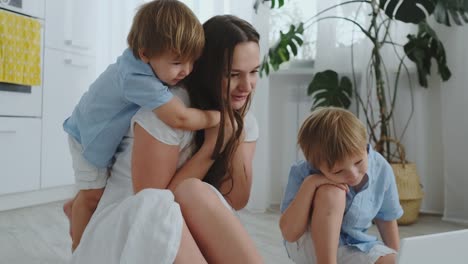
column 329, row 195
column 193, row 191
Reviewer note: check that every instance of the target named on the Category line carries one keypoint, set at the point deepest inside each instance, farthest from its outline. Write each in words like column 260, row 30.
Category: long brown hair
column 204, row 85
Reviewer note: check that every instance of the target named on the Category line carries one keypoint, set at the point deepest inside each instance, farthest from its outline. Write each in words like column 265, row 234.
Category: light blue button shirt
column 102, row 117
column 377, row 199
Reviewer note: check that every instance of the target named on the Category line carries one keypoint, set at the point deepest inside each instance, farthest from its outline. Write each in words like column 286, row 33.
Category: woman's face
column 244, row 73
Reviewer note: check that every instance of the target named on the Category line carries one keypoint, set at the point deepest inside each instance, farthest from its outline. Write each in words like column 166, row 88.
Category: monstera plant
column 422, row 48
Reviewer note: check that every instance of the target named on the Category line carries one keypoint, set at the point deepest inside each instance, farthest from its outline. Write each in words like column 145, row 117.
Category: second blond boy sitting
column 333, row 196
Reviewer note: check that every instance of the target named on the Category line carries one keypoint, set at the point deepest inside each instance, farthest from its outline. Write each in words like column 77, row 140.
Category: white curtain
column 114, row 21
column 454, row 94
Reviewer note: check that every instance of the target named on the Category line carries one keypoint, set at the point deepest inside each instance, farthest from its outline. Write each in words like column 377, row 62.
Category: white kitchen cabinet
column 66, row 78
column 35, row 163
column 33, row 8
column 20, row 149
column 70, row 25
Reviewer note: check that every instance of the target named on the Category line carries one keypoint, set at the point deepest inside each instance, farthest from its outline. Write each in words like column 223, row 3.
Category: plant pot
column 409, row 191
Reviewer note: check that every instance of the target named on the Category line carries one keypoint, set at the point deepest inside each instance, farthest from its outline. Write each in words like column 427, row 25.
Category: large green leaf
column 280, row 52
column 457, row 10
column 280, row 3
column 327, row 90
column 273, row 4
column 409, row 11
column 424, row 46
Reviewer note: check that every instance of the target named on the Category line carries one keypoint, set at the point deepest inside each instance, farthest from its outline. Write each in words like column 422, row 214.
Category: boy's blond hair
column 330, row 135
column 162, row 26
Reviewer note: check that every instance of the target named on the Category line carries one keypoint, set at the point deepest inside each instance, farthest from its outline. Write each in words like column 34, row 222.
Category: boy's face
column 168, row 67
column 350, row 171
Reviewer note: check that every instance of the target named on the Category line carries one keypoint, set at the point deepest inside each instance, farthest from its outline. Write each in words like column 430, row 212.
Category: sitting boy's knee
column 329, row 194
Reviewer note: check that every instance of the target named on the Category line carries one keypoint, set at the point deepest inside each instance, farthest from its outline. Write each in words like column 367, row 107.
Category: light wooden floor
column 39, row 235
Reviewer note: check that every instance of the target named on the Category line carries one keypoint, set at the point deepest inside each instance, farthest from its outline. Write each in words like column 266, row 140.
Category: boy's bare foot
column 67, row 209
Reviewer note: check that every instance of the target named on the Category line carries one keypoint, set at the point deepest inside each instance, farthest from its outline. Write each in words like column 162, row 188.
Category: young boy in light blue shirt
column 333, row 196
column 164, row 41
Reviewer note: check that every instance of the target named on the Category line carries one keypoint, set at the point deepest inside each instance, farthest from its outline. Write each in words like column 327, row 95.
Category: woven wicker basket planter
column 409, row 190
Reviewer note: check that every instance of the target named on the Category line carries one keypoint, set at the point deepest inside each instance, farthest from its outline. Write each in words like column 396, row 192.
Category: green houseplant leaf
column 409, row 11
column 424, row 46
column 280, row 3
column 273, row 4
column 455, row 9
column 327, row 90
column 280, row 52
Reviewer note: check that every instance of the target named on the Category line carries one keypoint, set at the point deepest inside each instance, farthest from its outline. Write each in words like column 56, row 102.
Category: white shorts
column 87, row 176
column 302, row 252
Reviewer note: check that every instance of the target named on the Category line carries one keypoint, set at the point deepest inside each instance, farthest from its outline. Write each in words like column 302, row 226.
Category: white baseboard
column 25, row 199
column 455, row 220
column 432, row 212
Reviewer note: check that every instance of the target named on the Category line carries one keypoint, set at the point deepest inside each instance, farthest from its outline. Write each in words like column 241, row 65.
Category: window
column 346, row 32
column 293, row 12
column 339, row 32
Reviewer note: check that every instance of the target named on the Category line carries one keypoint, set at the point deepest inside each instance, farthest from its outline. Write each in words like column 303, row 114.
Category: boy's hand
column 213, row 117
column 319, row 180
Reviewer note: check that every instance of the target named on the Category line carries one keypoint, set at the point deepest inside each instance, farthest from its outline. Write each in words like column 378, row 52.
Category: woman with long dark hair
column 208, row 174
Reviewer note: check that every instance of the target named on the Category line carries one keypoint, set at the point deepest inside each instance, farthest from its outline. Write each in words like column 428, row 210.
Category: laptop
column 447, row 247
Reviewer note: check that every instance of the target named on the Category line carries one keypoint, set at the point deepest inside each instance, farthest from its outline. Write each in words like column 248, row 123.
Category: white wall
column 289, row 104
column 454, row 97
column 423, row 139
column 114, row 21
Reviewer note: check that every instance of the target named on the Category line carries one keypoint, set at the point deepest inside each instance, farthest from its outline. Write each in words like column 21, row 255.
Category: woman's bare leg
column 188, row 249
column 219, row 234
column 327, row 215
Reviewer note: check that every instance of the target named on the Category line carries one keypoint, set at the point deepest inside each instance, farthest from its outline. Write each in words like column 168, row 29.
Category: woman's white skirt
column 143, row 228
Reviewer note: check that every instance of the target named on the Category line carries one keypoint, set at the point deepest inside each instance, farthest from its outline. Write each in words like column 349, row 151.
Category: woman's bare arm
column 238, row 194
column 153, row 162
column 196, row 167
column 199, row 164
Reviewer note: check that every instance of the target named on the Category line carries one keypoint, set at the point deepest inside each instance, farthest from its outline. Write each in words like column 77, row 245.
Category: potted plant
column 328, row 89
